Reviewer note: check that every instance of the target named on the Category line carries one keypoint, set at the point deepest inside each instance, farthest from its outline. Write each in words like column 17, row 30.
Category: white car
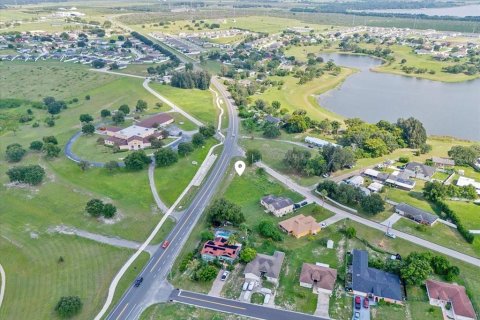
column 390, row 235
column 225, row 275
column 245, row 286
column 250, row 286
column 323, row 225
column 266, row 299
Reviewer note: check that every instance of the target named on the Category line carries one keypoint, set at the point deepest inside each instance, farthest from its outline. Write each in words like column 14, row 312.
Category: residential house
column 355, row 181
column 319, row 142
column 416, row 214
column 400, row 181
column 464, row 181
column 300, row 226
column 441, row 293
column 442, row 162
column 375, row 283
column 271, row 119
column 265, row 266
column 221, row 250
column 419, row 170
column 375, row 187
column 318, row 277
column 279, row 206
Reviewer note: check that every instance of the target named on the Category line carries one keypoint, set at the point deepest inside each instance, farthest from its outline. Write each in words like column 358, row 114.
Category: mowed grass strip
column 36, row 278
column 174, row 311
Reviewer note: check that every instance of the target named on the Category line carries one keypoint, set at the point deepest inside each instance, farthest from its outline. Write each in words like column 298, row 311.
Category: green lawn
column 177, row 311
column 58, row 79
column 172, row 180
column 87, row 148
column 257, row 298
column 182, row 122
column 468, row 212
column 198, row 103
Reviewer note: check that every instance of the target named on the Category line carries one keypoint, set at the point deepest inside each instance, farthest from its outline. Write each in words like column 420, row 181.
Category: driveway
column 217, row 285
column 364, row 313
column 322, row 305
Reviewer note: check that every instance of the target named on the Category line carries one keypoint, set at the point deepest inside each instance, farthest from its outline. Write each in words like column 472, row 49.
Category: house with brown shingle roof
column 441, row 293
column 221, row 250
column 265, row 266
column 300, row 226
column 318, row 277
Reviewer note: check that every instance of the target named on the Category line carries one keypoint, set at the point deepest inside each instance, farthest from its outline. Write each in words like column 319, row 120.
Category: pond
column 447, row 109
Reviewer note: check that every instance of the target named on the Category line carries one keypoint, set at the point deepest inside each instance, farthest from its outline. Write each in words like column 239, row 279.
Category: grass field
column 198, row 103
column 468, row 212
column 172, row 180
column 176, row 311
column 294, row 96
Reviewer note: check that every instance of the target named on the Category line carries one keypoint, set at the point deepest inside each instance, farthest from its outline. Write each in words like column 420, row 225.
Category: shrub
column 36, row 145
column 32, row 174
column 268, row 229
column 67, row 307
column 14, row 152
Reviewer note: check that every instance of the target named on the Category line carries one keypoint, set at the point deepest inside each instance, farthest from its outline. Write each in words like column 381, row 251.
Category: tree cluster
column 14, row 152
column 54, row 106
column 191, row 79
column 68, row 307
column 222, row 211
column 96, row 208
column 268, row 229
column 435, row 191
column 137, row 160
column 416, row 268
column 32, row 174
column 464, row 155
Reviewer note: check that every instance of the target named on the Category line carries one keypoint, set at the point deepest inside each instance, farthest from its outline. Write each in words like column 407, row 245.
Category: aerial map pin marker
column 240, row 167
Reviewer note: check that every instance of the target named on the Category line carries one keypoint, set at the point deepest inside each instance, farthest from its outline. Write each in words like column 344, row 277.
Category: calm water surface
column 451, row 109
column 460, row 11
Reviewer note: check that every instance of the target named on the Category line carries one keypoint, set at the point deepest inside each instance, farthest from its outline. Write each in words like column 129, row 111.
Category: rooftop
column 416, row 213
column 133, row 131
column 300, row 224
column 263, row 264
column 456, row 294
column 420, row 168
column 220, row 247
column 443, row 161
column 277, row 202
column 156, row 120
column 321, row 277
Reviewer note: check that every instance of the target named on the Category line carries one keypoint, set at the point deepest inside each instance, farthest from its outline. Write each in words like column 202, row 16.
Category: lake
column 460, row 11
column 451, row 109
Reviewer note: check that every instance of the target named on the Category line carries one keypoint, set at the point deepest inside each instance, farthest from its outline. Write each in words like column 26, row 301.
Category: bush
column 67, row 307
column 14, row 152
column 32, row 174
column 198, row 139
column 97, row 208
column 252, row 156
column 206, row 273
column 185, row 148
column 36, row 145
column 350, row 232
column 268, row 229
column 165, row 157
column 403, row 159
column 248, row 254
column 137, row 160
column 207, row 235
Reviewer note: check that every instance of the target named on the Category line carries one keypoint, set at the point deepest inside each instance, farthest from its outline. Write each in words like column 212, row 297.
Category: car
column 366, row 302
column 266, row 299
column 356, row 315
column 225, row 275
column 165, row 244
column 304, row 203
column 245, row 286
column 310, row 146
column 323, row 225
column 325, row 175
column 138, row 282
column 250, row 286
column 358, row 304
column 390, row 235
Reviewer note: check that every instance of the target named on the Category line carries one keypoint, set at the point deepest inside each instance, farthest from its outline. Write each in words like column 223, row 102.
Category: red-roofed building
column 158, row 120
column 221, row 250
column 442, row 293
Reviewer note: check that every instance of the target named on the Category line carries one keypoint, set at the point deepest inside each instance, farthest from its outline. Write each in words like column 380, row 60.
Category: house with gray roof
column 265, row 266
column 375, row 283
column 279, row 206
column 419, row 170
column 416, row 214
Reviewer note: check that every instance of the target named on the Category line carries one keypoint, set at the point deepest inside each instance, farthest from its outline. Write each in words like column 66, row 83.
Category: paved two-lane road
column 241, row 308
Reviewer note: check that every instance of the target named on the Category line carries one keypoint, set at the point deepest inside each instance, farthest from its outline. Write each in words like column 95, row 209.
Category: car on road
column 323, row 225
column 224, row 275
column 356, row 316
column 165, row 244
column 390, row 235
column 245, row 286
column 138, row 282
column 366, row 302
column 358, row 302
column 250, row 286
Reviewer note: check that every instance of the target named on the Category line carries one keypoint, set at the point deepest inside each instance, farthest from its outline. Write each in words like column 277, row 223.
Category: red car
column 366, row 302
column 358, row 304
column 165, row 244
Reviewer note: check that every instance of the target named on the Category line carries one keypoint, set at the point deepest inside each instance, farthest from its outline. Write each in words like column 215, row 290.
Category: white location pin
column 240, row 167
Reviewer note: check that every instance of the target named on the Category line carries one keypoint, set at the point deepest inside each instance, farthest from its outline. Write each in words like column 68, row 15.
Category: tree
column 222, row 211
column 463, row 155
column 315, row 166
column 268, row 229
column 247, row 255
column 36, row 145
column 296, row 124
column 50, row 122
column 118, row 117
column 207, row 131
column 434, row 191
column 88, row 128
column 165, row 157
column 141, row 105
column 86, row 118
column 350, row 232
column 206, row 273
column 270, row 130
column 136, row 160
column 50, row 139
column 109, row 210
column 416, row 269
column 372, row 204
column 124, row 108
column 452, row 273
column 98, row 64
column 105, row 113
column 198, row 139
column 14, row 152
column 32, row 174
column 252, row 156
column 207, row 235
column 51, row 150
column 440, row 265
column 335, row 126
column 94, row 207
column 67, row 307
column 111, row 165
column 414, row 132
column 84, row 165
column 185, row 148
column 276, row 105
column 297, row 159
column 425, row 148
